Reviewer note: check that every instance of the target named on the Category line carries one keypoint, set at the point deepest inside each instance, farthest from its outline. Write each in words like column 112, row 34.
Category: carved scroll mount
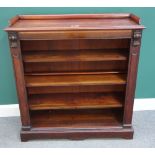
column 13, row 38
column 137, row 34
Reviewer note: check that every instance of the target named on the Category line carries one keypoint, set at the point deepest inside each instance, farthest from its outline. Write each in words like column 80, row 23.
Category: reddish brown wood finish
column 97, row 118
column 77, row 89
column 20, row 82
column 70, row 61
column 75, row 22
column 75, row 80
column 131, row 79
column 74, row 44
column 93, row 34
column 78, row 134
column 75, row 101
column 75, row 74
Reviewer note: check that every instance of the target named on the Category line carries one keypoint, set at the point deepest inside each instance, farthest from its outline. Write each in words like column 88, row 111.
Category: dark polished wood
column 75, row 80
column 75, row 60
column 93, row 34
column 78, row 134
column 75, row 74
column 131, row 79
column 75, row 55
column 20, row 82
column 75, row 22
column 76, row 119
column 75, row 101
column 74, row 44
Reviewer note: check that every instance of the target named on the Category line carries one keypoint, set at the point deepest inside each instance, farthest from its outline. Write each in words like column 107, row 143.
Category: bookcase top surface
column 74, row 22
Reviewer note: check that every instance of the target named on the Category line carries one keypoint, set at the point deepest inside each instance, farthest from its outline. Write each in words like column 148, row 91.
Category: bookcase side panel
column 19, row 77
column 132, row 76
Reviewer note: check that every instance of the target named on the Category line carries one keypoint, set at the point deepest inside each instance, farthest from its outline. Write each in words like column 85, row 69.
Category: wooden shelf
column 75, row 55
column 74, row 80
column 75, row 101
column 76, row 119
column 75, row 73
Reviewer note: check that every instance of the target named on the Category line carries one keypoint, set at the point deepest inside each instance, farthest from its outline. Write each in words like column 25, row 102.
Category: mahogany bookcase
column 75, row 74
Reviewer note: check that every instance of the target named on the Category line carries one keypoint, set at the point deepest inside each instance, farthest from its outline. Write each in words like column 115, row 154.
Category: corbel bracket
column 137, row 34
column 13, row 38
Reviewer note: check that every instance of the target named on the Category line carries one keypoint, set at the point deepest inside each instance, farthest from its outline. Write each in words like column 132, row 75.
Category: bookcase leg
column 128, row 136
column 23, row 138
column 23, row 134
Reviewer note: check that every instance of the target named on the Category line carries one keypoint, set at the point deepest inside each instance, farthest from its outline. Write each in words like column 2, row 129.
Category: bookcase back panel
column 72, row 44
column 66, row 67
column 76, row 89
column 76, row 118
column 76, row 55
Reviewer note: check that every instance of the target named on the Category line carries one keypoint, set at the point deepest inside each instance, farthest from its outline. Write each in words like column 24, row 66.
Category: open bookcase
column 75, row 74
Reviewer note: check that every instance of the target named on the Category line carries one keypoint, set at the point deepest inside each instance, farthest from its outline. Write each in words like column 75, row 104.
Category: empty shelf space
column 76, row 119
column 75, row 55
column 76, row 66
column 75, row 101
column 74, row 80
column 74, row 44
column 77, row 89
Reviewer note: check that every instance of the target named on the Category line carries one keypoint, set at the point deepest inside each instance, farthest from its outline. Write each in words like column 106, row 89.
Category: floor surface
column 144, row 136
